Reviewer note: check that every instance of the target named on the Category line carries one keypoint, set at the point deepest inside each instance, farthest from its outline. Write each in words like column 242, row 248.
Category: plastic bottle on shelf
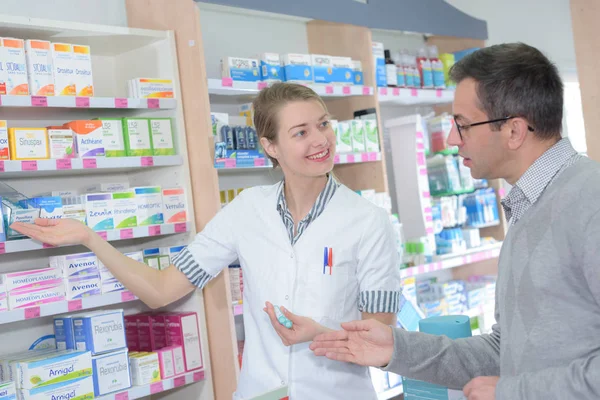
column 417, row 81
column 424, row 65
column 390, row 70
column 401, row 77
column 437, row 68
column 408, row 70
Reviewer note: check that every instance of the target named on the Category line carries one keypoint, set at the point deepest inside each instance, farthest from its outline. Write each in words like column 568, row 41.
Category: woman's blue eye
column 300, row 133
column 325, row 124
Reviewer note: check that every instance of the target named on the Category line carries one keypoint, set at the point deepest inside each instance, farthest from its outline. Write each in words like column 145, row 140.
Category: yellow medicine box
column 28, row 143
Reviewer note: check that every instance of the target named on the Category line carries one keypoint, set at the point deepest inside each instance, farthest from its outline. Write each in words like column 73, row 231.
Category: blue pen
column 325, row 262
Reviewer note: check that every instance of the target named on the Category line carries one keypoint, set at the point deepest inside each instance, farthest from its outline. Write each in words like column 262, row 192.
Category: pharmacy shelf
column 21, row 169
column 228, row 87
column 410, row 97
column 478, row 254
column 61, row 307
column 339, row 159
column 390, row 393
column 16, row 246
column 86, row 102
column 138, row 392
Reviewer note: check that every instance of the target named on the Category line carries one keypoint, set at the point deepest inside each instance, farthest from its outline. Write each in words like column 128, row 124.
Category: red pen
column 330, row 261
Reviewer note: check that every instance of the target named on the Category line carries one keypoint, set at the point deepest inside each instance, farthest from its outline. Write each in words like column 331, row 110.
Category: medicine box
column 3, row 71
column 131, row 332
column 166, row 362
column 111, row 372
column 343, row 70
column 63, row 332
column 84, row 79
column 16, row 67
column 150, row 205
column 112, row 136
column 82, row 388
column 32, row 279
column 358, row 135
column 379, row 59
column 28, row 144
column 153, row 258
column 108, row 187
column 75, row 264
column 322, row 68
column 39, row 67
column 77, row 287
column 145, row 368
column 62, row 143
column 124, row 209
column 110, row 286
column 100, row 332
column 240, row 69
column 4, row 147
column 89, row 137
column 358, row 73
column 182, row 330
column 175, row 205
column 344, row 137
column 8, row 391
column 36, row 297
column 50, row 207
column 6, row 360
column 51, row 368
column 151, row 88
column 63, row 69
column 371, row 135
column 270, row 67
column 159, row 330
column 178, row 359
column 138, row 140
column 162, row 136
column 99, row 211
column 298, row 68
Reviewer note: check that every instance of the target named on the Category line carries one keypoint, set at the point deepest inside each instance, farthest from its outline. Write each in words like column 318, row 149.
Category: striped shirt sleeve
column 214, row 248
column 378, row 267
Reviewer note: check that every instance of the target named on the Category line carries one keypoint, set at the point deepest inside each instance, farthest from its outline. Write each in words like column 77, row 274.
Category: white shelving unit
column 414, row 97
column 118, row 54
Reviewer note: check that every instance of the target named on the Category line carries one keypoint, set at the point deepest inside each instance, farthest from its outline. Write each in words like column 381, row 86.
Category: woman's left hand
column 303, row 329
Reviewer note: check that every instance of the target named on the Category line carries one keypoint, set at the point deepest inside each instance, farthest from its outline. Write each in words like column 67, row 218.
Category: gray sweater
column 546, row 342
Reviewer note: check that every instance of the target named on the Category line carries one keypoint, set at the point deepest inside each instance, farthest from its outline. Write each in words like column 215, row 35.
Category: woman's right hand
column 56, row 232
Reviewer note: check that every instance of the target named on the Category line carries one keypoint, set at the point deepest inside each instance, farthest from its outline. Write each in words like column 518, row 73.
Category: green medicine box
column 162, row 136
column 112, row 136
column 138, row 140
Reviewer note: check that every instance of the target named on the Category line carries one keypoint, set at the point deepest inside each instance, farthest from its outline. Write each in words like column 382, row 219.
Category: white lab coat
column 365, row 262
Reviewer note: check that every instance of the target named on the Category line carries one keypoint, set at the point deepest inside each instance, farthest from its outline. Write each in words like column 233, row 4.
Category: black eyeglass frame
column 459, row 127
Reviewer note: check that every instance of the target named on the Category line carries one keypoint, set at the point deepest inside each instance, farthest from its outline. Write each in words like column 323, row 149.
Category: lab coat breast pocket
column 329, row 280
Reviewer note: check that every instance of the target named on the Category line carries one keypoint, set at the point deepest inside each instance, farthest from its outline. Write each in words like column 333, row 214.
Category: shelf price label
column 179, row 381
column 63, row 164
column 47, row 246
column 90, row 163
column 329, row 89
column 32, row 312
column 82, row 102
column 39, row 101
column 29, row 166
column 396, row 91
column 153, row 103
column 230, row 163
column 126, row 234
column 383, row 91
column 122, row 396
column 127, row 296
column 364, row 157
column 103, row 235
column 147, row 161
column 198, row 376
column 227, row 82
column 259, row 162
column 75, row 305
column 1, row 166
column 373, row 156
column 180, row 227
column 438, row 93
column 156, row 387
column 413, row 92
column 350, row 158
column 346, row 90
column 262, row 85
column 2, row 248
column 336, row 159
column 366, row 91
column 154, row 230
column 121, row 103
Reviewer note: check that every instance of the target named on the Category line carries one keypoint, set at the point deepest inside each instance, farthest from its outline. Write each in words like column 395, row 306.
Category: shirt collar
column 282, row 203
column 537, row 177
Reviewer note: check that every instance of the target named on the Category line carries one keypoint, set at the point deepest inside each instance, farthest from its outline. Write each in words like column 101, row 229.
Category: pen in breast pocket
column 330, row 261
column 325, row 254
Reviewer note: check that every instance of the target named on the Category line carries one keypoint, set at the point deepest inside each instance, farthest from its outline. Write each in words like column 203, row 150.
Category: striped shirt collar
column 316, row 210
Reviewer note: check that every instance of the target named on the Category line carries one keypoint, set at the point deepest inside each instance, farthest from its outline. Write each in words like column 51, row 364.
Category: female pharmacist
column 307, row 243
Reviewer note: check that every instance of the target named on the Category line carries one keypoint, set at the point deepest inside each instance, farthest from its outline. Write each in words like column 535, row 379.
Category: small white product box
column 111, row 372
column 52, row 368
column 63, row 69
column 240, row 69
column 84, row 79
column 99, row 211
column 175, row 205
column 16, row 67
column 298, row 67
column 81, row 388
column 145, row 368
column 100, row 332
column 39, row 67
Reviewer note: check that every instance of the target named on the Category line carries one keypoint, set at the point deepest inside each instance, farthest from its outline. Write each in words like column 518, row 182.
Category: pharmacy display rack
column 118, row 54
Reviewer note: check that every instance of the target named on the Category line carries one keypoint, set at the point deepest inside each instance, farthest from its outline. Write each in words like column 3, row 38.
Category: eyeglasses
column 460, row 128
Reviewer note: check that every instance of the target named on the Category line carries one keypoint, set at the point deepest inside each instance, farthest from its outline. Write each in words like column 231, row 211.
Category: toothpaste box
column 145, row 368
column 82, row 62
column 32, row 279
column 358, row 73
column 112, row 134
column 322, row 68
column 371, row 135
column 54, row 368
column 240, row 69
column 89, row 137
column 111, row 372
column 8, row 391
column 36, row 297
column 50, row 207
column 124, row 209
column 4, row 147
column 182, row 330
column 62, row 143
column 166, row 362
column 344, row 137
column 100, row 332
column 77, row 287
column 138, row 140
column 75, row 264
column 82, row 388
column 298, row 68
column 152, row 88
column 16, row 66
column 150, row 205
column 343, row 70
column 99, row 211
column 270, row 67
column 162, row 136
column 63, row 69
column 39, row 67
column 175, row 205
column 63, row 332
column 131, row 332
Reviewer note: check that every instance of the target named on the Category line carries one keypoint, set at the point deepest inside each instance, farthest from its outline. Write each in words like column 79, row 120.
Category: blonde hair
column 271, row 100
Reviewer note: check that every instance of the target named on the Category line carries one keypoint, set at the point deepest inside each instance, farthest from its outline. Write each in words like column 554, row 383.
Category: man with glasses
column 546, row 343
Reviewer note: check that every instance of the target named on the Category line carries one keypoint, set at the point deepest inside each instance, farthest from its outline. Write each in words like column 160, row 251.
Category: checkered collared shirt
column 315, row 211
column 537, row 178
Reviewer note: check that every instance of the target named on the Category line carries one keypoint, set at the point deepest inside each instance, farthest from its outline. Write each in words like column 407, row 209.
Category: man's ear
column 519, row 129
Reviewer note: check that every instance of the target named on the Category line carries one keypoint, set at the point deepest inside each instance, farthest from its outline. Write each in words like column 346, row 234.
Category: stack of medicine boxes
column 102, row 333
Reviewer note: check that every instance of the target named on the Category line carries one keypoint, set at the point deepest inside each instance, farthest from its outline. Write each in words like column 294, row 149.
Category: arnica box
column 149, row 205
column 138, row 140
column 54, row 368
column 100, row 332
column 240, row 69
column 16, row 66
column 39, row 67
column 111, row 372
column 8, row 391
column 82, row 61
column 112, row 134
column 175, row 205
column 99, row 211
column 78, row 389
column 89, row 137
column 162, row 136
column 125, row 209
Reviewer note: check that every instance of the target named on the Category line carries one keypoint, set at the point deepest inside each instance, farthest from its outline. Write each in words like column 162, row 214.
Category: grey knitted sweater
column 546, row 342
